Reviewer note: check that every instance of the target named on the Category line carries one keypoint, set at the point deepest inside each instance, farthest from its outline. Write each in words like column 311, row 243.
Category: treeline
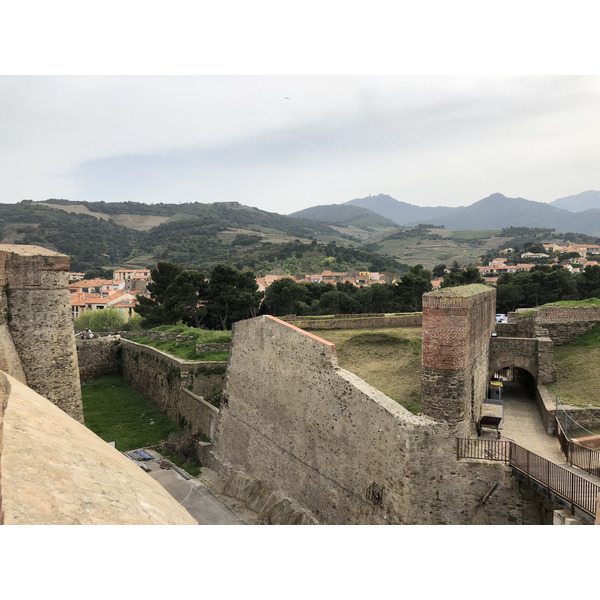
column 544, row 284
column 229, row 295
column 194, row 239
column 87, row 240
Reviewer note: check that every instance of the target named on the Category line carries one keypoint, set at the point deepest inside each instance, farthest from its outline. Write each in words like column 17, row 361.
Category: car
column 501, row 319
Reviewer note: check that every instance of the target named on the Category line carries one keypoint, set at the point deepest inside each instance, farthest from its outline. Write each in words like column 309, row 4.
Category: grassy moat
column 117, row 413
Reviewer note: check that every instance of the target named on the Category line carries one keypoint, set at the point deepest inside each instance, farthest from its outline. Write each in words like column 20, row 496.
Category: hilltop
column 195, row 235
column 580, row 213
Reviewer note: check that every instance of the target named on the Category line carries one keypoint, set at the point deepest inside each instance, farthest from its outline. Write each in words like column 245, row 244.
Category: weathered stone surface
column 355, row 321
column 36, row 294
column 3, row 401
column 298, row 425
column 98, row 357
column 181, row 389
column 56, row 471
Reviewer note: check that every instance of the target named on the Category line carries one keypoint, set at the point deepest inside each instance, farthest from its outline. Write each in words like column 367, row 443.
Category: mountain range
column 578, row 213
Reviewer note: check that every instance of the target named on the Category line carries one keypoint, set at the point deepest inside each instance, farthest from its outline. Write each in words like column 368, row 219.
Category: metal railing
column 577, row 455
column 576, row 490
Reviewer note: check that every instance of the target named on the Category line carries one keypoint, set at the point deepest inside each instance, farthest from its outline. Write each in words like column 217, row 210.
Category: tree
column 335, row 302
column 153, row 308
column 284, row 297
column 439, row 270
column 186, row 298
column 588, row 282
column 106, row 319
column 232, row 295
column 465, row 277
column 411, row 288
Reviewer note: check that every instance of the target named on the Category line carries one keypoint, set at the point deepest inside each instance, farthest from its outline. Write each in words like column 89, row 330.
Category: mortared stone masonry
column 457, row 326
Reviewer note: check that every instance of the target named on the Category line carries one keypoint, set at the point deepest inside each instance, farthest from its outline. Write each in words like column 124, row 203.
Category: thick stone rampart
column 3, row 402
column 186, row 391
column 534, row 355
column 356, row 321
column 56, row 471
column 38, row 314
column 457, row 325
column 294, row 421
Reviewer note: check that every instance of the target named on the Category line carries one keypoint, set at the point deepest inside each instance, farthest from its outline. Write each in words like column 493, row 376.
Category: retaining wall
column 563, row 323
column 98, row 357
column 183, row 390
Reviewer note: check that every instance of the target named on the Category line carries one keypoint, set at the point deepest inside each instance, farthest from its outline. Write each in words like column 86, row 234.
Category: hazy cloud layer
column 286, row 143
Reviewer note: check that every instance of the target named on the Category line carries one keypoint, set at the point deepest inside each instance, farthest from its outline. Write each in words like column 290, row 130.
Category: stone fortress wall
column 55, row 471
column 3, row 403
column 357, row 321
column 321, row 438
column 313, row 438
column 36, row 315
column 562, row 323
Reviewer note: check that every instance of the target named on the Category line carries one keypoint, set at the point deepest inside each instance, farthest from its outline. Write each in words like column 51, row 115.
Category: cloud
column 426, row 140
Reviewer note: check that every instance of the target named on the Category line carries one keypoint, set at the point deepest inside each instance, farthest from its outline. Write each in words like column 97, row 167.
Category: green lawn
column 578, row 370
column 117, row 413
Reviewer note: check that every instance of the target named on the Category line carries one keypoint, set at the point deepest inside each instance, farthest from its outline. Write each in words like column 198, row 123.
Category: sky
column 131, row 126
column 284, row 143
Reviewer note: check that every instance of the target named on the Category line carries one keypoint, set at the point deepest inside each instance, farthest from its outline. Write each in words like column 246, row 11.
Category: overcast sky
column 284, row 143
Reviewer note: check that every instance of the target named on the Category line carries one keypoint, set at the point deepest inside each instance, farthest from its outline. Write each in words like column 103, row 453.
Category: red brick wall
column 457, row 325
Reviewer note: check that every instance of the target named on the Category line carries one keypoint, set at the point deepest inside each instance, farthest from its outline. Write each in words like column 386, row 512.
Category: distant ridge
column 579, row 202
column 498, row 211
column 495, row 212
column 343, row 214
column 401, row 213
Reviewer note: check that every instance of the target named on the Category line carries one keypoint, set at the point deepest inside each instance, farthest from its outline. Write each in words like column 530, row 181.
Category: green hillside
column 194, row 235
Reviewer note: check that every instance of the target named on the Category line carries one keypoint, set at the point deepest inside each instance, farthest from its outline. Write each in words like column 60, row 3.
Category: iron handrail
column 580, row 492
column 577, row 455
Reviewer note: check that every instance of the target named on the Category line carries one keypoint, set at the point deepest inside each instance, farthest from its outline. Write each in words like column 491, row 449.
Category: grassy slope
column 578, row 370
column 186, row 350
column 462, row 246
column 389, row 359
